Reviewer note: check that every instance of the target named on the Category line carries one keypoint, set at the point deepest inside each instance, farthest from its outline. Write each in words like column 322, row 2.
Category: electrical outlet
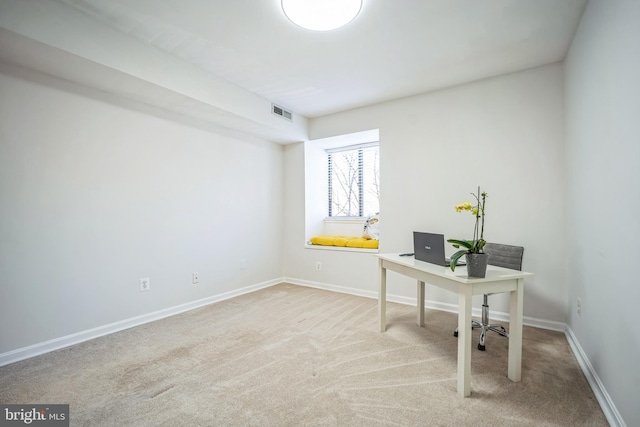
column 145, row 284
column 195, row 277
column 318, row 265
column 243, row 264
column 579, row 306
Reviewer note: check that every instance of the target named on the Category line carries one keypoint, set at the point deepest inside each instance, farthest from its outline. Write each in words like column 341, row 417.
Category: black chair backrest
column 506, row 256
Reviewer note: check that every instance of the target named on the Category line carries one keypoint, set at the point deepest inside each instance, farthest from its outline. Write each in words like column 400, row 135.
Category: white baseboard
column 433, row 305
column 68, row 340
column 604, row 399
column 328, row 287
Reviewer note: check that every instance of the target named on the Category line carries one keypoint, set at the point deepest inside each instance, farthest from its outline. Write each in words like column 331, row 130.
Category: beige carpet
column 295, row 356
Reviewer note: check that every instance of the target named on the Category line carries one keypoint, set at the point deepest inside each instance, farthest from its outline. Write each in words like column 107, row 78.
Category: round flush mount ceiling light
column 321, row 15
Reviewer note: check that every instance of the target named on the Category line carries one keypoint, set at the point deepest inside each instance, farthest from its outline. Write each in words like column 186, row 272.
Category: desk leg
column 464, row 340
column 515, row 333
column 382, row 297
column 420, row 304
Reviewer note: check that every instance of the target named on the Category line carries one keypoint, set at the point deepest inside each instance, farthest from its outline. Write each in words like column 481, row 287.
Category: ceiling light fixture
column 321, row 15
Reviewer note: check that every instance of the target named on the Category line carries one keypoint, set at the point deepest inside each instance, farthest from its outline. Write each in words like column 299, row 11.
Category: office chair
column 502, row 256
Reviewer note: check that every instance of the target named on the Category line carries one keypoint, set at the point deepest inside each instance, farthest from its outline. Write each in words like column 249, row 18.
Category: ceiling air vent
column 279, row 111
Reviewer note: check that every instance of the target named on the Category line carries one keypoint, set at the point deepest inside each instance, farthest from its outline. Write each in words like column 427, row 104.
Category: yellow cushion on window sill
column 345, row 241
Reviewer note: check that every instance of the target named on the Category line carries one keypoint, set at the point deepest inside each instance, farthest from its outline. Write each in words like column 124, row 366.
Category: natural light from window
column 354, row 178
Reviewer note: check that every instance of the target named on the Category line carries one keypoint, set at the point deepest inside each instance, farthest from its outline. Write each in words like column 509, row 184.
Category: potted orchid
column 476, row 259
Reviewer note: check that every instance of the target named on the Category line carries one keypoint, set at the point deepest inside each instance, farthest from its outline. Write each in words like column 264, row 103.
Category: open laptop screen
column 429, row 247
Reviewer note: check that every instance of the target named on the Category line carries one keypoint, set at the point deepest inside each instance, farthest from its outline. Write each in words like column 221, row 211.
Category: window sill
column 345, row 219
column 340, row 249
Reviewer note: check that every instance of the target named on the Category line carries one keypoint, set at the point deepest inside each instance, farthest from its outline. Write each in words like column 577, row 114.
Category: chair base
column 507, row 256
column 485, row 326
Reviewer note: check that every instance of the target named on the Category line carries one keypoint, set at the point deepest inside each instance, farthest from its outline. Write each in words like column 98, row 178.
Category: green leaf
column 455, row 257
column 465, row 243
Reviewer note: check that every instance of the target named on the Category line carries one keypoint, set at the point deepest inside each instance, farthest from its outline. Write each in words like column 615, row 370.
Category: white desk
column 497, row 280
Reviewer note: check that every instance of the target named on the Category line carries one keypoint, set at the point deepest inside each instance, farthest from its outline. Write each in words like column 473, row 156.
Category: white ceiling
column 394, row 48
column 222, row 63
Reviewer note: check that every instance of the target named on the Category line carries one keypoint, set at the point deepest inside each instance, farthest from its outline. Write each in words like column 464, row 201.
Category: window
column 354, row 180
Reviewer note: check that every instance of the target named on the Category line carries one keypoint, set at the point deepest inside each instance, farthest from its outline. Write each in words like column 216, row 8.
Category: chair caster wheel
column 480, row 347
column 455, row 333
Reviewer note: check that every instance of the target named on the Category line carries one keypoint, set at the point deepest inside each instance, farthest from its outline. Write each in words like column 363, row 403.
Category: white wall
column 603, row 195
column 45, row 35
column 94, row 196
column 504, row 134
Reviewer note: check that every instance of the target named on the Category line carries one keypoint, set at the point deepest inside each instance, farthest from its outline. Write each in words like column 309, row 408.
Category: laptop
column 429, row 247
